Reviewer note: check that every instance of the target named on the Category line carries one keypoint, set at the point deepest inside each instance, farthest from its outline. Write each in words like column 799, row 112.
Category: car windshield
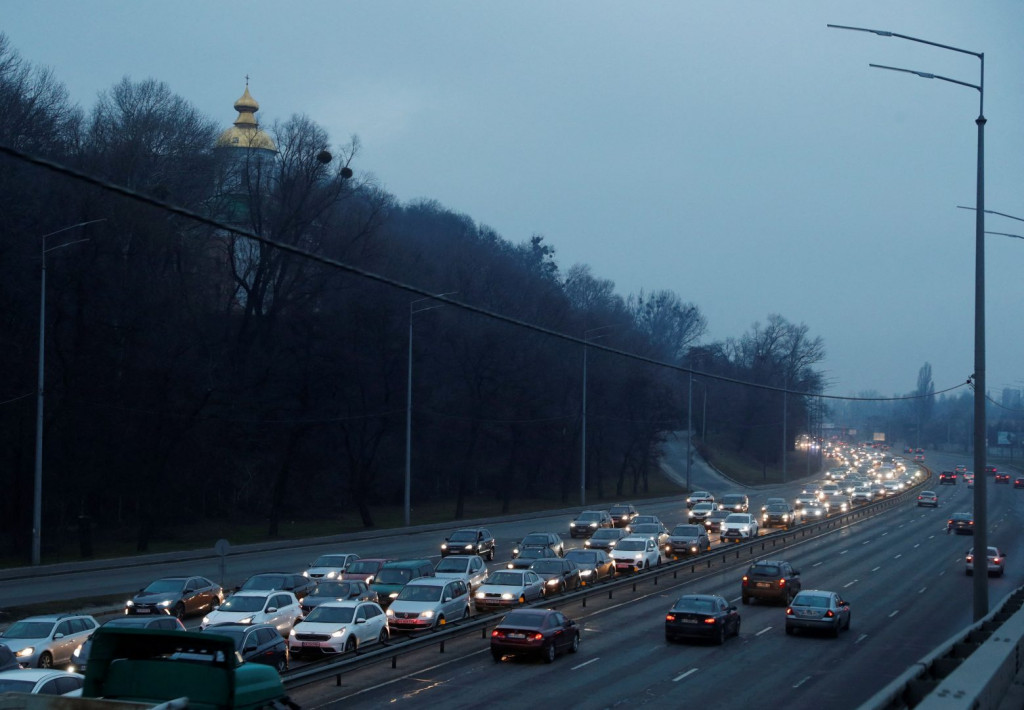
column 732, row 500
column 588, row 517
column 162, row 586
column 702, row 506
column 686, row 531
column 506, row 579
column 696, row 606
column 535, row 552
column 325, row 614
column 777, row 508
column 265, row 581
column 9, row 685
column 463, row 536
column 452, row 564
column 363, row 567
column 647, row 528
column 632, row 545
column 392, row 575
column 28, row 630
column 619, row 510
column 609, row 533
column 547, row 567
column 332, row 589
column 235, row 634
column 582, row 557
column 738, row 518
column 243, row 602
column 330, row 561
column 812, row 600
column 535, row 540
column 421, row 593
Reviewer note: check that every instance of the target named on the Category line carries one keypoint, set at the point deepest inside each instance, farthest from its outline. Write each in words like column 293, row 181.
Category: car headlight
column 389, row 612
column 78, row 651
column 292, row 632
column 509, row 565
column 593, row 525
column 332, row 574
column 506, row 595
column 27, row 651
column 444, row 546
column 638, row 556
column 572, row 524
column 369, row 579
column 339, row 633
column 515, row 550
column 246, row 620
column 552, row 582
column 480, row 595
column 586, row 572
column 393, row 595
column 586, row 543
column 206, row 621
column 469, row 547
column 611, row 543
column 165, row 603
column 428, row 614
column 305, row 573
column 129, row 603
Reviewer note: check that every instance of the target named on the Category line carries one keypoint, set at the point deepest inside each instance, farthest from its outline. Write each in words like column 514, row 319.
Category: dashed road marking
column 894, row 613
column 763, row 631
column 585, row 663
column 801, row 682
column 850, row 584
column 861, row 638
column 876, row 569
column 897, row 557
column 683, row 675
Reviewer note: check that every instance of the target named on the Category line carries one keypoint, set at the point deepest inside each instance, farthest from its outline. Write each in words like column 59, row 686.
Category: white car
column 699, row 497
column 996, row 562
column 635, row 553
column 427, row 603
column 40, row 681
column 338, row 627
column 739, row 526
column 330, row 566
column 469, row 568
column 281, row 609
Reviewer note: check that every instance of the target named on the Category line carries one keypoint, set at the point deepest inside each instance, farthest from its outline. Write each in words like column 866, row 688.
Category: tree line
column 194, row 374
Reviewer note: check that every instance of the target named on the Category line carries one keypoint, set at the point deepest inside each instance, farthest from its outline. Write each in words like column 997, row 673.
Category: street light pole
column 583, row 415
column 37, row 483
column 980, row 424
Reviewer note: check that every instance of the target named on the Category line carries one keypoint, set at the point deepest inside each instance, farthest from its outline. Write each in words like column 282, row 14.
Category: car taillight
column 496, row 634
column 670, row 617
column 709, row 620
column 782, row 583
column 997, row 561
column 538, row 636
column 745, row 580
column 789, row 611
column 829, row 613
column 970, row 558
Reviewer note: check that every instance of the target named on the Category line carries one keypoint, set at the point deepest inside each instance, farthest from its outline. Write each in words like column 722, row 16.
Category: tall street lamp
column 980, row 428
column 413, row 310
column 37, row 490
column 583, row 416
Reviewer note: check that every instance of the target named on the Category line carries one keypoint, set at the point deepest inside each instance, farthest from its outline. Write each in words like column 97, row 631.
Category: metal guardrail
column 752, row 549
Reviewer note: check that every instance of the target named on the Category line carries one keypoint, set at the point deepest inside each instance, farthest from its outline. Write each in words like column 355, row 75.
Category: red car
column 536, row 632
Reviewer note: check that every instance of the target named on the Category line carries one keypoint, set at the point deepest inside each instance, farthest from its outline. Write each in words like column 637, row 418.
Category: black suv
column 775, row 580
column 469, row 541
column 622, row 514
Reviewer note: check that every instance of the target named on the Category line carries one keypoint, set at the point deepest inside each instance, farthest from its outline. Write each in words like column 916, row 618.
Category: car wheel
column 549, row 653
column 350, row 645
column 496, row 656
column 281, row 665
column 575, row 644
column 179, row 610
column 835, row 630
column 720, row 636
column 384, row 637
column 46, row 660
column 745, row 600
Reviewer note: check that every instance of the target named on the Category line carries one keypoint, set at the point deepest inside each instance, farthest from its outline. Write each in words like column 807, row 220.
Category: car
column 538, row 632
column 919, row 458
column 177, row 596
column 734, row 503
column 365, row 569
column 635, row 554
column 508, row 588
column 8, row 661
column 687, row 539
column 559, row 574
column 947, row 478
column 778, row 515
column 702, row 616
column 700, row 511
column 40, row 681
column 960, row 468
column 469, row 541
column 996, row 562
column 774, row 500
column 529, row 555
column 656, row 531
column 805, row 498
column 961, row 523
column 815, row 609
column 837, row 503
column 622, row 514
column 339, row 627
column 928, row 498
column 594, row 565
column 1018, row 482
column 589, row 521
column 771, row 580
column 279, row 608
column 699, row 497
column 428, row 603
column 469, row 568
column 394, row 575
column 713, row 521
column 605, row 539
column 739, row 526
column 970, row 480
column 1002, row 478
column 329, row 566
column 279, row 581
column 256, row 643
column 47, row 640
column 334, row 590
column 80, row 656
column 540, row 539
column 862, row 495
column 991, row 470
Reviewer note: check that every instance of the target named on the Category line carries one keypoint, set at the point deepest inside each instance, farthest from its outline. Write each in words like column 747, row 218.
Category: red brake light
column 497, row 634
column 670, row 617
column 789, row 611
column 782, row 583
column 538, row 636
column 829, row 613
column 709, row 620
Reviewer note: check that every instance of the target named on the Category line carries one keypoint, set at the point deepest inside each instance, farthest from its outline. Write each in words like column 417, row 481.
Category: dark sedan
column 594, row 565
column 540, row 539
column 331, row 591
column 537, row 632
column 961, row 524
column 702, row 616
column 177, row 596
column 528, row 555
column 258, row 643
column 559, row 575
column 622, row 514
column 297, row 584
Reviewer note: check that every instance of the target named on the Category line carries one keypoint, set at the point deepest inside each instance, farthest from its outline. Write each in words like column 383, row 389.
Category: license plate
column 808, row 613
column 142, row 611
column 764, row 585
column 689, row 621
column 517, row 636
column 310, row 644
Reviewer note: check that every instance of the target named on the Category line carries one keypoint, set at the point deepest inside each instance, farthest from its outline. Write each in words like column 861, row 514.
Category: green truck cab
column 152, row 667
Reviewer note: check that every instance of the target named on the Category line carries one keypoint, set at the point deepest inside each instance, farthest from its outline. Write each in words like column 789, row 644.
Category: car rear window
column 765, row 570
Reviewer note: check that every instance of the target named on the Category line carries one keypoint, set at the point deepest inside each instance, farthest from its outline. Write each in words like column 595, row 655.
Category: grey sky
column 737, row 153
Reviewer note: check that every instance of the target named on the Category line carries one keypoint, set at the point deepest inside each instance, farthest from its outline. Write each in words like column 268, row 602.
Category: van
column 395, row 574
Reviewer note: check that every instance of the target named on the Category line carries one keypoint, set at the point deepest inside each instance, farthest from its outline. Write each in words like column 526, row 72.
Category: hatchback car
column 559, row 574
column 688, row 539
column 961, row 524
column 590, row 521
column 773, row 580
column 947, row 478
column 814, row 609
column 38, row 681
column 605, row 539
column 280, row 609
column 996, row 562
column 469, row 541
column 635, row 554
column 469, row 568
column 928, row 498
column 329, row 566
column 702, row 616
column 256, row 643
column 178, row 596
column 538, row 632
column 428, row 603
column 508, row 588
column 739, row 526
column 48, row 640
column 594, row 565
column 700, row 511
column 339, row 627
column 80, row 657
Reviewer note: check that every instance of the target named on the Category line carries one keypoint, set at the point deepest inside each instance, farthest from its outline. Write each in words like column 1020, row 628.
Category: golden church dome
column 246, row 132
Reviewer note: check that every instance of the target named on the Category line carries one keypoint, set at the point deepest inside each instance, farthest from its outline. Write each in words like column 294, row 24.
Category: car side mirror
column 447, row 599
column 271, row 610
column 249, row 647
column 360, row 621
column 58, row 636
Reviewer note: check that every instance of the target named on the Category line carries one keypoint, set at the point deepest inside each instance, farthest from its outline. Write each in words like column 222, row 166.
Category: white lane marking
column 876, row 569
column 894, row 613
column 737, row 599
column 844, row 552
column 897, row 557
column 866, row 542
column 861, row 638
column 851, row 583
column 930, row 537
column 585, row 663
column 917, row 545
column 885, row 533
column 765, row 630
column 683, row 675
column 802, row 681
column 817, row 564
column 922, row 590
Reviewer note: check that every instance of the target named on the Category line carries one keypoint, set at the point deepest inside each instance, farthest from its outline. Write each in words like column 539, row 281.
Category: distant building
column 246, row 132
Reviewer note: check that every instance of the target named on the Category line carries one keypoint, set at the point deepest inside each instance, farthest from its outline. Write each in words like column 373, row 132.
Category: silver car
column 428, row 603
column 49, row 640
column 817, row 609
column 508, row 588
column 330, row 566
column 469, row 568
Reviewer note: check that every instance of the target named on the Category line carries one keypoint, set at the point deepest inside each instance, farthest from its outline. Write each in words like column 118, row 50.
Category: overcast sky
column 737, row 153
